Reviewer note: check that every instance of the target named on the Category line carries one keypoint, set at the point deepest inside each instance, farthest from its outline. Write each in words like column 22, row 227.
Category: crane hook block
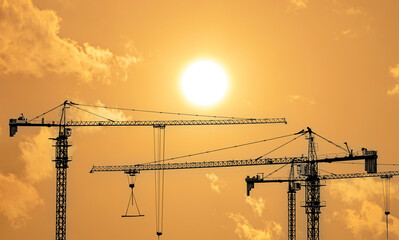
column 131, row 185
column 159, row 234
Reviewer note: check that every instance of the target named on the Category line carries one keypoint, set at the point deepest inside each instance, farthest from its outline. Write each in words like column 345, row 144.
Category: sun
column 204, row 83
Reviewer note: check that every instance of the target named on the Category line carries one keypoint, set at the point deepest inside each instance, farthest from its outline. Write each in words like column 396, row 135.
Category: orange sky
column 331, row 65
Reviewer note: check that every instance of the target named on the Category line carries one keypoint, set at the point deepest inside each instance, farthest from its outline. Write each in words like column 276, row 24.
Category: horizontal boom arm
column 15, row 123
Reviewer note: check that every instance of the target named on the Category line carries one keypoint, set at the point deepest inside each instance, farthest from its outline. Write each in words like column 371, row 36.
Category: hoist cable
column 284, row 144
column 338, row 146
column 84, row 110
column 46, row 112
column 224, row 148
column 273, row 172
column 327, row 172
column 386, row 193
column 137, row 205
column 158, row 112
column 156, row 196
column 159, row 182
column 159, row 155
column 380, row 164
column 163, row 176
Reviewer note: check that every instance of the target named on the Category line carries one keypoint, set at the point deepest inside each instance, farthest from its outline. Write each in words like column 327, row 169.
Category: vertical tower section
column 61, row 165
column 312, row 192
column 293, row 187
column 291, row 214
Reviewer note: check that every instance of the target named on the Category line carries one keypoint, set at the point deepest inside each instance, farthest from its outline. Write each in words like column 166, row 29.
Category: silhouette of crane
column 310, row 175
column 64, row 132
column 310, row 178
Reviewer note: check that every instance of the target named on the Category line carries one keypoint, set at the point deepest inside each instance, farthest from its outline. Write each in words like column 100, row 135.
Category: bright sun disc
column 204, row 83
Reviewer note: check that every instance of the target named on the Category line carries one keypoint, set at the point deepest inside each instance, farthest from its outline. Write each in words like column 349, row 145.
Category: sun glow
column 204, row 83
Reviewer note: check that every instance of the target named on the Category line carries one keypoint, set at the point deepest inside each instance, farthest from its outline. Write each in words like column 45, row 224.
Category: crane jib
column 133, row 169
column 15, row 123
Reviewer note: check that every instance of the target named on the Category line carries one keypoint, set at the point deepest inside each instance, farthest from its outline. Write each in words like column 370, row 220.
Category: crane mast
column 312, row 191
column 61, row 144
column 293, row 187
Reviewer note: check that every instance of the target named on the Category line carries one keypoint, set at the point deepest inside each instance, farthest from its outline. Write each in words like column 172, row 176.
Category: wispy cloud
column 369, row 222
column 299, row 98
column 358, row 190
column 257, row 205
column 246, row 231
column 36, row 152
column 395, row 73
column 112, row 114
column 17, row 198
column 214, row 182
column 17, row 194
column 298, row 4
column 349, row 33
column 354, row 11
column 30, row 44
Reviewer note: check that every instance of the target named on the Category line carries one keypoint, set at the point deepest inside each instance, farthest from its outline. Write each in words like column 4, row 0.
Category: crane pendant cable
column 159, row 156
column 387, row 202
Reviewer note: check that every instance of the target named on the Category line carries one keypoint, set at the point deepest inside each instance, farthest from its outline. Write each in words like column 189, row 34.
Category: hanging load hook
column 132, row 200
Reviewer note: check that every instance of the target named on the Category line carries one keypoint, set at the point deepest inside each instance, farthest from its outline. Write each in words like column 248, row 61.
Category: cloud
column 214, row 182
column 349, row 33
column 79, row 115
column 30, row 44
column 17, row 199
column 298, row 4
column 369, row 221
column 113, row 114
column 36, row 153
column 258, row 205
column 359, row 189
column 394, row 90
column 354, row 11
column 17, row 194
column 246, row 231
column 299, row 98
column 395, row 73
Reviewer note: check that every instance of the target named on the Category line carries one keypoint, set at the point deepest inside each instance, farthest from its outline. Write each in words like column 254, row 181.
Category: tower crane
column 309, row 163
column 309, row 176
column 295, row 181
column 64, row 132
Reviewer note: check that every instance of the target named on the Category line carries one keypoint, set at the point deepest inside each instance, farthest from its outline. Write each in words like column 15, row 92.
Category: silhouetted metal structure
column 310, row 178
column 312, row 191
column 293, row 187
column 309, row 175
column 61, row 164
column 62, row 145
